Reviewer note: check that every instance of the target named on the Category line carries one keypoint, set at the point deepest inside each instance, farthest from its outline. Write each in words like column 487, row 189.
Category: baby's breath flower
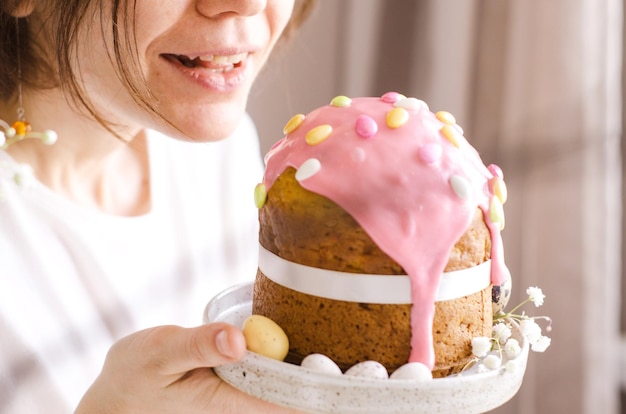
column 481, row 345
column 492, row 362
column 530, row 330
column 541, row 344
column 535, row 295
column 501, row 332
column 489, row 352
column 512, row 348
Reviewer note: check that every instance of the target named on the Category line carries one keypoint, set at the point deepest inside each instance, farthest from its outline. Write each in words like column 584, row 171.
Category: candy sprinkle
column 411, row 104
column 495, row 170
column 308, row 169
column 318, row 134
column 341, row 101
column 397, row 117
column 365, row 126
column 451, row 134
column 497, row 187
column 496, row 212
column 430, row 153
column 358, row 154
column 446, row 117
column 260, row 195
column 293, row 124
column 391, row 97
column 461, row 187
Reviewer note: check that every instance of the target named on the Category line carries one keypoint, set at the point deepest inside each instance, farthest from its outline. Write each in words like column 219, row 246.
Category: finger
column 174, row 350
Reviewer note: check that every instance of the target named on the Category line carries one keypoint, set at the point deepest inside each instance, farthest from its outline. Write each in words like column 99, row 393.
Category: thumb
column 173, row 350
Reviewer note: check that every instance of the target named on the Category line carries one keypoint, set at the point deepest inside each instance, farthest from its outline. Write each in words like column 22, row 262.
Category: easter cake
column 379, row 236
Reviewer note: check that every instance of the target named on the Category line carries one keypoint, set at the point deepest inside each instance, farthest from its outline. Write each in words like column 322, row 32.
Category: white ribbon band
column 365, row 288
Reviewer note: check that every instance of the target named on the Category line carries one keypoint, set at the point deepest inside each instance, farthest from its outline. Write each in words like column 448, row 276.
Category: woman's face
column 199, row 59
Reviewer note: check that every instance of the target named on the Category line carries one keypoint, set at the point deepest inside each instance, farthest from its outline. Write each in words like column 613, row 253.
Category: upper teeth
column 220, row 58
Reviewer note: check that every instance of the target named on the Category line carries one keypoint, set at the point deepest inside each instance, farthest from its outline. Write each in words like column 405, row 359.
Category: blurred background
column 537, row 87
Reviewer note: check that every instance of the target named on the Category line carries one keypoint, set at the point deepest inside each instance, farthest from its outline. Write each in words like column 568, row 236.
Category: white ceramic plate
column 314, row 392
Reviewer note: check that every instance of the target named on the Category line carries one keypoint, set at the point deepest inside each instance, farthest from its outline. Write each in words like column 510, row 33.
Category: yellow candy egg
column 451, row 135
column 498, row 188
column 446, row 117
column 265, row 337
column 397, row 117
column 318, row 134
column 293, row 124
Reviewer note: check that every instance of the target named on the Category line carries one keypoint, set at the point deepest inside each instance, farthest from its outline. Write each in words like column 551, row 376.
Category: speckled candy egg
column 265, row 337
column 500, row 295
column 321, row 363
column 368, row 369
column 412, row 371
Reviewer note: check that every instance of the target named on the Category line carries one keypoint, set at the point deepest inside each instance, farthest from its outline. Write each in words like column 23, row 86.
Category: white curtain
column 536, row 85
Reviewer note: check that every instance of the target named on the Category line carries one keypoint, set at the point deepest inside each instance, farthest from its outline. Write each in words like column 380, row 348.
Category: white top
column 74, row 280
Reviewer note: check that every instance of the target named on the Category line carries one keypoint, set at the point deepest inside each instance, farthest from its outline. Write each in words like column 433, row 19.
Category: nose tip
column 218, row 8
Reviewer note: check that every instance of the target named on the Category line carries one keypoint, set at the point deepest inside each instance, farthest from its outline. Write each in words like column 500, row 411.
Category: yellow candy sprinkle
column 341, row 101
column 260, row 195
column 498, row 188
column 496, row 212
column 293, row 124
column 318, row 134
column 446, row 117
column 451, row 134
column 397, row 117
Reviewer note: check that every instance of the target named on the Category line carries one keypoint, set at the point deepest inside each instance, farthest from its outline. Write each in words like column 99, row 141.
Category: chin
column 209, row 127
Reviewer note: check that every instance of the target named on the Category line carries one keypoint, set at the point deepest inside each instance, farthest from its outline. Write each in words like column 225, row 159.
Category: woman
column 117, row 227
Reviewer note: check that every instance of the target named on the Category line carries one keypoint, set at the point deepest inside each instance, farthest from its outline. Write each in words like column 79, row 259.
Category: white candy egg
column 413, row 371
column 321, row 363
column 265, row 337
column 368, row 369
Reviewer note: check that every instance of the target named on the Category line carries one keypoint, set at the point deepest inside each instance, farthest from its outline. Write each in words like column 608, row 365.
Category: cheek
column 279, row 13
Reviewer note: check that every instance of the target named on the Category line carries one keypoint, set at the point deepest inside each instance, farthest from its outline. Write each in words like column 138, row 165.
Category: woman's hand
column 168, row 370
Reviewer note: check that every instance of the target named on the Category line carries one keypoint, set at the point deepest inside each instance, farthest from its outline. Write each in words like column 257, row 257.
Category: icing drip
column 407, row 176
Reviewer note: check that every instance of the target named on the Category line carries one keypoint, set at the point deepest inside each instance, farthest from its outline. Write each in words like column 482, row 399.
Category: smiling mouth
column 213, row 63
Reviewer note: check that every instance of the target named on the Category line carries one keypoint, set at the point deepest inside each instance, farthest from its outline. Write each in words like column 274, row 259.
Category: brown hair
column 25, row 60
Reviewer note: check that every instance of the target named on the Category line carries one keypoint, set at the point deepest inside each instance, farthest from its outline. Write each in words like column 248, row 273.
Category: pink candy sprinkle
column 391, row 97
column 366, row 127
column 495, row 170
column 430, row 153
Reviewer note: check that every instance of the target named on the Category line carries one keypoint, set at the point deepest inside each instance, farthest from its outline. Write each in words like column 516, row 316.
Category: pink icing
column 398, row 189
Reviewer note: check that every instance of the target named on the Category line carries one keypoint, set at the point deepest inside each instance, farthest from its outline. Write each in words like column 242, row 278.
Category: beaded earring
column 21, row 129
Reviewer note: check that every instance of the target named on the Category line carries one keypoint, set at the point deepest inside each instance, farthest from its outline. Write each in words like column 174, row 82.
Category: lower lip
column 223, row 82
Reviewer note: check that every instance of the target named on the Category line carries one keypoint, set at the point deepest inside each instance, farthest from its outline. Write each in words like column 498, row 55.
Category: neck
column 87, row 165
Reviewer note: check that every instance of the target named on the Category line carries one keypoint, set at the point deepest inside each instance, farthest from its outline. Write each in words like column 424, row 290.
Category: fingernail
column 223, row 345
